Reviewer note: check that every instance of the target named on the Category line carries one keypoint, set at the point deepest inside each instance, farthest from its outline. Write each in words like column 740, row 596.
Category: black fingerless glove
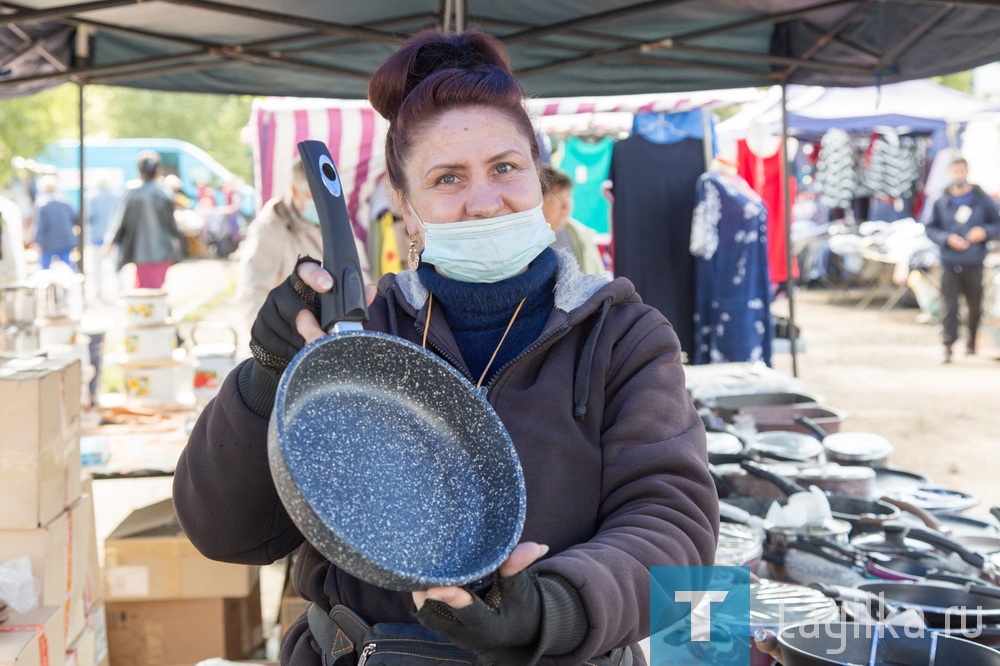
column 274, row 340
column 520, row 619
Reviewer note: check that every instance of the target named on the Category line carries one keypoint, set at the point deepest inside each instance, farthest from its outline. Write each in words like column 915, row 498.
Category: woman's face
column 557, row 206
column 472, row 163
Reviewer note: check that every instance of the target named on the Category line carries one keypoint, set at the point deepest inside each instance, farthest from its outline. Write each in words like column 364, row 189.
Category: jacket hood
column 577, row 295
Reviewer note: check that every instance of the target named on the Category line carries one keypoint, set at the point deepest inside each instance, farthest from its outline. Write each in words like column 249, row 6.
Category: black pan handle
column 784, row 485
column 995, row 512
column 877, row 606
column 985, row 590
column 814, row 428
column 722, row 485
column 944, row 543
column 345, row 302
column 730, row 458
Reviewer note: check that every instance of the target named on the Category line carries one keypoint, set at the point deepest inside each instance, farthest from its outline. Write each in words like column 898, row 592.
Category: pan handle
column 878, row 608
column 995, row 512
column 926, row 516
column 783, row 484
column 944, row 543
column 722, row 485
column 345, row 302
column 814, row 428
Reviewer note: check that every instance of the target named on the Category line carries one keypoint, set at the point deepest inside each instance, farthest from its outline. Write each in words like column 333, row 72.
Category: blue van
column 114, row 161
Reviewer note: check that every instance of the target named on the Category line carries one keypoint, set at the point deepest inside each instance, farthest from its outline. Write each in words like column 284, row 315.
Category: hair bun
column 423, row 55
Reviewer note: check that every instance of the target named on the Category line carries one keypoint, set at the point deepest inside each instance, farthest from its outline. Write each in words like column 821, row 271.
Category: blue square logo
column 699, row 615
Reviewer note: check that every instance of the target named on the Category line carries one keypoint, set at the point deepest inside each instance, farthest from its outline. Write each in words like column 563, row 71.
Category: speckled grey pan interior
column 392, row 465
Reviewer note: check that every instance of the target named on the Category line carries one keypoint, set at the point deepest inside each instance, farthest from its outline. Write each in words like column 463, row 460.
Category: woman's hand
column 288, row 321
column 520, row 559
column 503, row 627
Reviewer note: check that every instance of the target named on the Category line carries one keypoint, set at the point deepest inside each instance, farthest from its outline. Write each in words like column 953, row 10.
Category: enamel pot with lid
column 212, row 360
column 850, row 447
column 387, row 459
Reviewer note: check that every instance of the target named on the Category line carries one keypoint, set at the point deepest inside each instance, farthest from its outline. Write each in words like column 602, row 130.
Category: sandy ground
column 883, row 369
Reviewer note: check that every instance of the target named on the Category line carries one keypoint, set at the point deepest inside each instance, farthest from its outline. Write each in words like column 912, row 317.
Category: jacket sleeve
column 261, row 265
column 223, row 493
column 934, row 228
column 658, row 505
column 992, row 225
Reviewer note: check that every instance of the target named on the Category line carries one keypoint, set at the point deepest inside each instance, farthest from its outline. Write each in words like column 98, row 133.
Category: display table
column 141, row 448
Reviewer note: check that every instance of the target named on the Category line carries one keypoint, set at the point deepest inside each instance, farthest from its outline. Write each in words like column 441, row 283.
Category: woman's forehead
column 468, row 135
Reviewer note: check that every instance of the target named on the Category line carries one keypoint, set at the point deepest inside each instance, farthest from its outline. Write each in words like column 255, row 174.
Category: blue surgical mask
column 487, row 250
column 309, row 212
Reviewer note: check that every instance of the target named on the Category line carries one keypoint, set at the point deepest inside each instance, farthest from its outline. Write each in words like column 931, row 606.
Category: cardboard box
column 40, row 451
column 183, row 631
column 91, row 647
column 292, row 605
column 148, row 557
column 33, row 638
column 60, row 555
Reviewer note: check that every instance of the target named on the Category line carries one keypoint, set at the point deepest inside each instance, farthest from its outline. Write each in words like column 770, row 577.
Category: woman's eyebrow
column 495, row 158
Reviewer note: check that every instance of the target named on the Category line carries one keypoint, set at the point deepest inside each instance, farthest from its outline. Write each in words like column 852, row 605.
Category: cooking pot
column 854, row 644
column 18, row 305
column 728, row 406
column 163, row 383
column 146, row 307
column 150, row 343
column 53, row 332
column 19, row 340
column 739, row 546
column 837, row 479
column 788, row 446
column 387, row 459
column 783, row 417
column 850, row 448
column 60, row 294
column 860, row 513
column 212, row 360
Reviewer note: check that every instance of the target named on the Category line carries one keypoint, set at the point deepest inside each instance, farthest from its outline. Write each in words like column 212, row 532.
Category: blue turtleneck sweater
column 478, row 314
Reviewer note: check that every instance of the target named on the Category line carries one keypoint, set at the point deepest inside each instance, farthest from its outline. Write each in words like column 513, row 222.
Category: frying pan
column 849, row 644
column 388, row 461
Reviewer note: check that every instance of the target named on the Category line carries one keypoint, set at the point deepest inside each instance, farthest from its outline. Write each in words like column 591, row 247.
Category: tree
column 211, row 122
column 31, row 122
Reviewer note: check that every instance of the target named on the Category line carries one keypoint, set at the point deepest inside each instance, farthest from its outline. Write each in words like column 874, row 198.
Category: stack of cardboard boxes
column 167, row 604
column 46, row 516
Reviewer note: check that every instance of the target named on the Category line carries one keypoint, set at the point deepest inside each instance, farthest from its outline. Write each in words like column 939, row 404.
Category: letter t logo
column 701, row 626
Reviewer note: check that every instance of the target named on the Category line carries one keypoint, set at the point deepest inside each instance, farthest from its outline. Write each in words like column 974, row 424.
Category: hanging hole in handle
column 330, row 177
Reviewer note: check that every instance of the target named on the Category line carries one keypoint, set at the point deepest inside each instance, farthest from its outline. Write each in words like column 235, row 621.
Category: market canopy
column 920, row 107
column 327, row 48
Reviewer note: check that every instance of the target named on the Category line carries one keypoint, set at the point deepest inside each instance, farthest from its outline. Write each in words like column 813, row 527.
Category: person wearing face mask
column 963, row 219
column 286, row 228
column 586, row 379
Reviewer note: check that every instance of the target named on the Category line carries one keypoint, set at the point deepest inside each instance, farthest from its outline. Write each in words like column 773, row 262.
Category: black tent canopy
column 326, row 48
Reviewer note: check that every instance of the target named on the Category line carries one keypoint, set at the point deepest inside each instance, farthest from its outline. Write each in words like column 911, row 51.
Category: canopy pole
column 83, row 213
column 786, row 171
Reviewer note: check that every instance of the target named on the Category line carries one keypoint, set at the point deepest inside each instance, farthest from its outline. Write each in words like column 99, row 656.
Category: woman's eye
column 448, row 179
column 506, row 167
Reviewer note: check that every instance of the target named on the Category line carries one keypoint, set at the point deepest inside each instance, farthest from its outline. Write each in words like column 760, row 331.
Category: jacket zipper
column 455, row 363
column 529, row 349
column 367, row 652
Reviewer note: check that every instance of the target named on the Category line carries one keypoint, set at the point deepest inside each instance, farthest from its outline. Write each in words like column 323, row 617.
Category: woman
column 587, row 381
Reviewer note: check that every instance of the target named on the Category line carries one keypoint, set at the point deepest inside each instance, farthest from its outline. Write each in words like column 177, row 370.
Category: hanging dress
column 586, row 164
column 732, row 301
column 763, row 173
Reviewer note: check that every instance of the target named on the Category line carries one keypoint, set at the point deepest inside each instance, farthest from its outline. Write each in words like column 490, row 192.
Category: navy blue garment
column 732, row 299
column 54, row 221
column 957, row 215
column 478, row 314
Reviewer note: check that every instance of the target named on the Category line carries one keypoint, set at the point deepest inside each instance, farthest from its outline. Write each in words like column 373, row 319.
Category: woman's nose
column 484, row 201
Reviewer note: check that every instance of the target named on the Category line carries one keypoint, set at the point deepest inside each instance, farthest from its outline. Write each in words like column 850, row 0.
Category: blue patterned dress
column 732, row 298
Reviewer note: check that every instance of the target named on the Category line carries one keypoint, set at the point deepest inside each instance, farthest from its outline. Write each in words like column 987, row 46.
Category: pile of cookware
column 882, row 541
column 154, row 371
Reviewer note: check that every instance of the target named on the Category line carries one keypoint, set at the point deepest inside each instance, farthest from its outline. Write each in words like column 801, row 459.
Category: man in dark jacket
column 963, row 219
column 54, row 222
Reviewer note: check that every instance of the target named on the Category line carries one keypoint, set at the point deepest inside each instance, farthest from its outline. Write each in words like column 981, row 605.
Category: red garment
column 151, row 276
column 764, row 176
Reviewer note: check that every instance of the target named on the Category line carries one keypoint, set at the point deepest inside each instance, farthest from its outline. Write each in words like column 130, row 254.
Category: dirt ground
column 884, row 369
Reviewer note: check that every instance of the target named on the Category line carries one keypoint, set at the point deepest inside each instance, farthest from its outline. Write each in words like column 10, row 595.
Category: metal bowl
column 392, row 465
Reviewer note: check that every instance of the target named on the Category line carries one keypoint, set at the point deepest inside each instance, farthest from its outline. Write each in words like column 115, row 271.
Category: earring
column 412, row 258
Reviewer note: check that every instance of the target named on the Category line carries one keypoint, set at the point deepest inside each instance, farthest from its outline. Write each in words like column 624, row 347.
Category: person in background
column 586, row 379
column 144, row 229
column 557, row 206
column 101, row 205
column 285, row 229
column 963, row 219
column 54, row 221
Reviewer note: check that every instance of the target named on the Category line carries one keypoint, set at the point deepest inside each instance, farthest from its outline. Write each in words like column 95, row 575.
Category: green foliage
column 211, row 122
column 31, row 122
column 960, row 81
